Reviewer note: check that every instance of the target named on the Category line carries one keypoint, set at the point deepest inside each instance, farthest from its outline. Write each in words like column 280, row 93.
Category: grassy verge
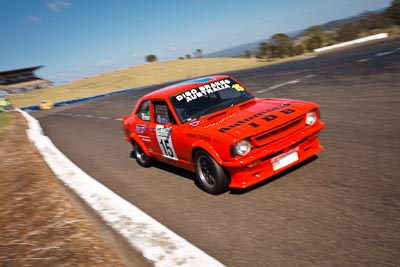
column 3, row 119
column 3, row 123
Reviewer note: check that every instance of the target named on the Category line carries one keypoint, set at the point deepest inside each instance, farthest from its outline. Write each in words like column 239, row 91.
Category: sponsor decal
column 204, row 90
column 146, row 117
column 194, row 123
column 165, row 142
column 238, row 87
column 220, row 121
column 191, row 135
column 204, row 137
column 145, row 138
column 163, row 131
column 140, row 128
column 249, row 120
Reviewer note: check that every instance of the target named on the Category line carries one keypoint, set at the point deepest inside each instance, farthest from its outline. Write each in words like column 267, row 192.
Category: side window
column 143, row 112
column 162, row 114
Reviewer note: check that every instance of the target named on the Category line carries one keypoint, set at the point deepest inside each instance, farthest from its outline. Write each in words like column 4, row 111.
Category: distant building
column 20, row 80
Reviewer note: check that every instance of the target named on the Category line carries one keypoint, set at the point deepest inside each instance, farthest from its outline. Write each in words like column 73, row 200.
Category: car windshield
column 209, row 98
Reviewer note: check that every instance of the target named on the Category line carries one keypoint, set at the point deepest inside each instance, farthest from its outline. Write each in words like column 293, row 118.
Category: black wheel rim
column 206, row 172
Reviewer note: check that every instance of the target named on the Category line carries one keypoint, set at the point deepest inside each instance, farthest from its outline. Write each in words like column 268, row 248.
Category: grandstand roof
column 9, row 72
column 23, row 79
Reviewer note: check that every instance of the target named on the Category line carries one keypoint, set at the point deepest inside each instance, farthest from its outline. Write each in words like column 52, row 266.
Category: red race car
column 218, row 129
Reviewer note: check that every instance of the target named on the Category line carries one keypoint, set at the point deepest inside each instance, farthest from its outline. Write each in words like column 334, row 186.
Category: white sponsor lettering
column 204, row 90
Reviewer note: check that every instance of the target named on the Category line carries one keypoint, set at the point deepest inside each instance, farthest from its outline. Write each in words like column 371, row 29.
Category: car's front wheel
column 141, row 156
column 210, row 176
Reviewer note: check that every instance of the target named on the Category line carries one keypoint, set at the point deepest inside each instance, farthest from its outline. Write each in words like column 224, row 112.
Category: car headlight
column 242, row 147
column 311, row 118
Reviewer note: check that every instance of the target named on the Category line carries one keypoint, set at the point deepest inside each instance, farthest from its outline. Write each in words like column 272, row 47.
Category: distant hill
column 239, row 50
column 236, row 50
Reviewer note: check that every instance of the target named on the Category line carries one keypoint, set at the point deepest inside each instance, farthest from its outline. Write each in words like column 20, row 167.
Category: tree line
column 196, row 54
column 281, row 45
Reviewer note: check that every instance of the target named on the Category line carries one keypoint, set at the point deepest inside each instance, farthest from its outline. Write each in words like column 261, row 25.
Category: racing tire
column 210, row 176
column 141, row 157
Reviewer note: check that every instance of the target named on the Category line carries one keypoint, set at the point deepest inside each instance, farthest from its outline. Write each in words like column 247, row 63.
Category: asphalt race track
column 341, row 208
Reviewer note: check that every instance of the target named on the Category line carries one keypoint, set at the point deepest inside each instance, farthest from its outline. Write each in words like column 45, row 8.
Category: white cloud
column 172, row 49
column 57, row 5
column 105, row 62
column 35, row 19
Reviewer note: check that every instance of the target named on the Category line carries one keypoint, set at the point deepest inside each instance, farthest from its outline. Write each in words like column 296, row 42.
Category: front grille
column 279, row 132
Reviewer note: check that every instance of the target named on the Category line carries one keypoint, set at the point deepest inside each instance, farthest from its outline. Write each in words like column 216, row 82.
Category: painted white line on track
column 87, row 116
column 272, row 88
column 364, row 60
column 293, row 82
column 285, row 83
column 378, row 55
column 309, row 76
column 384, row 54
column 156, row 242
column 278, row 85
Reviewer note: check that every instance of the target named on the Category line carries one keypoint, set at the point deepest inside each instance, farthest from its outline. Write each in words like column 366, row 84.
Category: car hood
column 253, row 117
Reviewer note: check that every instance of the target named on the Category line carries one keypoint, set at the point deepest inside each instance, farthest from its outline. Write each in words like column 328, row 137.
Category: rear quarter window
column 143, row 112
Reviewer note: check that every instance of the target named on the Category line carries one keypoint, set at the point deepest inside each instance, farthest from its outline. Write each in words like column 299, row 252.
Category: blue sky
column 78, row 38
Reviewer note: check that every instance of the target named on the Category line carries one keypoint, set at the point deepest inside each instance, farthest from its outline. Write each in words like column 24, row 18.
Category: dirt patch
column 39, row 225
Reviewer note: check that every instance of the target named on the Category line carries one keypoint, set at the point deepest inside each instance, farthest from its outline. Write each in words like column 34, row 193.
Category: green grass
column 3, row 119
column 3, row 123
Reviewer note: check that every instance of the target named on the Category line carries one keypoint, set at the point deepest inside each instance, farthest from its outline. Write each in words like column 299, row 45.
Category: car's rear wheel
column 210, row 176
column 141, row 156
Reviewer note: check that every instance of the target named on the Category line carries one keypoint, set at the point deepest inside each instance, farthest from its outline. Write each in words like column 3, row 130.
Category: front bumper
column 251, row 170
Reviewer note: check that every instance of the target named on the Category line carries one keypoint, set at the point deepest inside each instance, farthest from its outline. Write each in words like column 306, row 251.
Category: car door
column 162, row 128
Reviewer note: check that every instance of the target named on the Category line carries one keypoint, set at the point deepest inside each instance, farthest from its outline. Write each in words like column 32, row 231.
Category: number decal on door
column 165, row 142
column 165, row 147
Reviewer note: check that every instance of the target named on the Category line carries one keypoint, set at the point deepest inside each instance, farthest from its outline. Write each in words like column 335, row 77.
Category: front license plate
column 284, row 160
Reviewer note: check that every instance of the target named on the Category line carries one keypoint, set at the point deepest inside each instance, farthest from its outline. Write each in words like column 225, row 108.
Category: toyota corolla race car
column 218, row 129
